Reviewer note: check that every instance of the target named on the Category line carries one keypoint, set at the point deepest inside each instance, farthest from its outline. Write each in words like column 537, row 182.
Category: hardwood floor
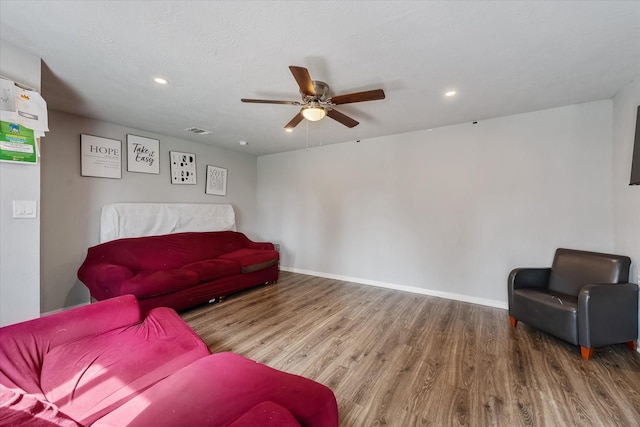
column 401, row 359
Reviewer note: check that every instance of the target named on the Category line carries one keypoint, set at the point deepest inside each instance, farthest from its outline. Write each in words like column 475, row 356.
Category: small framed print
column 216, row 181
column 100, row 157
column 143, row 154
column 183, row 168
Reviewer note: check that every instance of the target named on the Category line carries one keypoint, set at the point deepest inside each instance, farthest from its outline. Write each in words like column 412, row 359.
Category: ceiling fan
column 316, row 102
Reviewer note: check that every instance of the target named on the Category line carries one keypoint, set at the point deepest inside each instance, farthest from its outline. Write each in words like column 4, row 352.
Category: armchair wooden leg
column 513, row 321
column 586, row 352
column 632, row 345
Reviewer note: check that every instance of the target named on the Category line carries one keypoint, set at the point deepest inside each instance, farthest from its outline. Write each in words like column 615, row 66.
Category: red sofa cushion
column 151, row 283
column 251, row 260
column 218, row 389
column 212, row 269
column 89, row 377
column 24, row 345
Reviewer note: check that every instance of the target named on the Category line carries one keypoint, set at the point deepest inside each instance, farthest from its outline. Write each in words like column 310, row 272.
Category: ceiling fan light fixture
column 314, row 113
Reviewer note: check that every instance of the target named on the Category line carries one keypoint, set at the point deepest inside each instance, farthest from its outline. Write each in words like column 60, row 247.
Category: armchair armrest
column 607, row 314
column 104, row 280
column 531, row 278
column 537, row 278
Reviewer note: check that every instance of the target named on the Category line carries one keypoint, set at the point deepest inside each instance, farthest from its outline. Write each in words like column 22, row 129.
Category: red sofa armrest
column 250, row 244
column 268, row 246
column 103, row 280
column 23, row 345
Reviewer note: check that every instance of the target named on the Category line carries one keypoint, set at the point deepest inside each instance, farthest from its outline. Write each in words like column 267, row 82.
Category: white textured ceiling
column 502, row 58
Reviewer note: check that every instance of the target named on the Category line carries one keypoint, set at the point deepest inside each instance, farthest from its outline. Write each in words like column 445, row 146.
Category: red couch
column 178, row 270
column 104, row 365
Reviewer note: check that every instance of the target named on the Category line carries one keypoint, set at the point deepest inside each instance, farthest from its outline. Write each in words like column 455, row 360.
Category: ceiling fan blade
column 303, row 79
column 342, row 118
column 369, row 95
column 268, row 101
column 294, row 122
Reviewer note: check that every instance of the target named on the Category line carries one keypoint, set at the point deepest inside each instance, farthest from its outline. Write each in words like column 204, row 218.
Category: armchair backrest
column 573, row 269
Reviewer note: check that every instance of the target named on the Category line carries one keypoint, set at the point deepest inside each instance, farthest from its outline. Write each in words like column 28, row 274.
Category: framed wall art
column 100, row 157
column 183, row 168
column 216, row 181
column 143, row 154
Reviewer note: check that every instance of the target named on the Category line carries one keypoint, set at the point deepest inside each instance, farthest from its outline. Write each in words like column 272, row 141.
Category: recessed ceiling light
column 243, row 143
column 288, row 130
column 160, row 80
column 450, row 93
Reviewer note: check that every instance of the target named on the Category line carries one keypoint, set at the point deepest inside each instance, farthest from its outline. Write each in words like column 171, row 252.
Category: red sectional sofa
column 105, row 365
column 178, row 270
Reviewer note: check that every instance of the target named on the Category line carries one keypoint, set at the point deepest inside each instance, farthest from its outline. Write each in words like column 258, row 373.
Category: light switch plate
column 25, row 209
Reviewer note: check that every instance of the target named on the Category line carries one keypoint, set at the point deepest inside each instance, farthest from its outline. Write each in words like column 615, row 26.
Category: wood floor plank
column 401, row 359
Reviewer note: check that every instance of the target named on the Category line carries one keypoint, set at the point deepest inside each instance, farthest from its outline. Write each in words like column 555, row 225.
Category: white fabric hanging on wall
column 120, row 220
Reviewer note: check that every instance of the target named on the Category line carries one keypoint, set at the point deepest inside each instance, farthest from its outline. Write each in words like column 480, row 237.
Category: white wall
column 448, row 211
column 71, row 203
column 19, row 238
column 626, row 198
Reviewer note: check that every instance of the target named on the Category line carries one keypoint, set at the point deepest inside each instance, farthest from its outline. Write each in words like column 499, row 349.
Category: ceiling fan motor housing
column 322, row 91
column 315, row 107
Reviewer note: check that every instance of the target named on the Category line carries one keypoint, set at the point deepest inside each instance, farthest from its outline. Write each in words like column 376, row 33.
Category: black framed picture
column 100, row 157
column 143, row 154
column 216, row 181
column 183, row 168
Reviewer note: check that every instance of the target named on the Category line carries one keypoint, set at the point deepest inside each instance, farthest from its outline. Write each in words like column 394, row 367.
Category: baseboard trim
column 447, row 295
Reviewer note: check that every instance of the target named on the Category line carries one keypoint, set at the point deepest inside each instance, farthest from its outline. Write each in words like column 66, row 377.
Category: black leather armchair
column 584, row 298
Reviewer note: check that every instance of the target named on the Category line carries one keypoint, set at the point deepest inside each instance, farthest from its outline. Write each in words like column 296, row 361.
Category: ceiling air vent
column 198, row 131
